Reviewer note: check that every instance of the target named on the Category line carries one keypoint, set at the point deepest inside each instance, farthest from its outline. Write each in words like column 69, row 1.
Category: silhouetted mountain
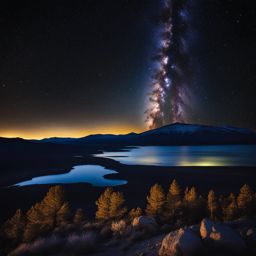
column 193, row 134
column 174, row 134
column 57, row 140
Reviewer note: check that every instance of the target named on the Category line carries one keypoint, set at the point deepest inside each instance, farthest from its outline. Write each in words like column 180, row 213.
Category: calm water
column 93, row 174
column 227, row 155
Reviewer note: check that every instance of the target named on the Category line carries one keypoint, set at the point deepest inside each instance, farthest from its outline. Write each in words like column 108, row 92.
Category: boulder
column 251, row 239
column 145, row 222
column 219, row 237
column 182, row 242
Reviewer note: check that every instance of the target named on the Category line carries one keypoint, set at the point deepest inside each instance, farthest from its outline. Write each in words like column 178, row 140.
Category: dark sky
column 69, row 68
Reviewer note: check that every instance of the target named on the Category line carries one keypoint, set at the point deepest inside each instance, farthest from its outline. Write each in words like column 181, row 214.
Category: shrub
column 40, row 246
column 118, row 227
column 84, row 243
column 135, row 212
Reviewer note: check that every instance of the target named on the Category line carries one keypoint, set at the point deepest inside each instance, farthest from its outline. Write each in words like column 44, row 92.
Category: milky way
column 172, row 76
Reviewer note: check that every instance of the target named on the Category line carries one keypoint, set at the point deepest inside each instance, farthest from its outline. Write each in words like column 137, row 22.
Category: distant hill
column 173, row 134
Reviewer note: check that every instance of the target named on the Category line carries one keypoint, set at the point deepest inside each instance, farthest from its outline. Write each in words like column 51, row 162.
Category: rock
column 251, row 232
column 251, row 239
column 183, row 242
column 219, row 237
column 145, row 223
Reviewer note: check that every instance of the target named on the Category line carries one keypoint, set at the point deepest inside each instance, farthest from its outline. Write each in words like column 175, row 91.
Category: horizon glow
column 41, row 133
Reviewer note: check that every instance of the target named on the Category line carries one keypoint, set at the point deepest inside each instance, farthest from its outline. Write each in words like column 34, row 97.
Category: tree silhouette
column 212, row 205
column 52, row 212
column 116, row 207
column 103, row 204
column 135, row 212
column 78, row 217
column 13, row 228
column 173, row 200
column 229, row 208
column 156, row 201
column 246, row 200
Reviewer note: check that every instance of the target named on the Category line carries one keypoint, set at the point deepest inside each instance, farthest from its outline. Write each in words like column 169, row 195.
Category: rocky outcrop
column 145, row 223
column 219, row 237
column 183, row 242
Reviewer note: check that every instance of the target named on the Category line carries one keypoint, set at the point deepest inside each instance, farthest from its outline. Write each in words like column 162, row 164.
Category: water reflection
column 223, row 155
column 93, row 174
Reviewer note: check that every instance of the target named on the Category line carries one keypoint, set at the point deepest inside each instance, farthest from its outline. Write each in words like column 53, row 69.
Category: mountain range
column 173, row 134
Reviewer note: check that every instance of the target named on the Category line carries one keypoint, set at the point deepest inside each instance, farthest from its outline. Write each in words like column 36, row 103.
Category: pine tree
column 245, row 200
column 46, row 215
column 54, row 207
column 135, row 212
column 212, row 205
column 78, row 217
column 191, row 205
column 156, row 201
column 13, row 228
column 116, row 207
column 62, row 214
column 192, row 195
column 173, row 201
column 230, row 209
column 103, row 204
column 36, row 223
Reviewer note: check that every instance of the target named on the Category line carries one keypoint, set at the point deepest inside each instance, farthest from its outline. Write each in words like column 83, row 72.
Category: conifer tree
column 245, row 200
column 173, row 200
column 212, row 205
column 191, row 205
column 192, row 195
column 54, row 207
column 13, row 228
column 116, row 207
column 36, row 224
column 230, row 209
column 156, row 201
column 103, row 204
column 46, row 215
column 62, row 214
column 135, row 212
column 78, row 217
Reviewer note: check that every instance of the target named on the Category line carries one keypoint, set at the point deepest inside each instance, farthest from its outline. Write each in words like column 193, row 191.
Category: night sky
column 70, row 68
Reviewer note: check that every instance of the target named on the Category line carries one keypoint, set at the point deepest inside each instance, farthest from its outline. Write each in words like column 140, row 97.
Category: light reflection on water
column 92, row 174
column 223, row 155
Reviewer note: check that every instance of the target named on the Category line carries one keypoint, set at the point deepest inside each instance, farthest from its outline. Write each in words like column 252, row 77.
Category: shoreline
column 140, row 178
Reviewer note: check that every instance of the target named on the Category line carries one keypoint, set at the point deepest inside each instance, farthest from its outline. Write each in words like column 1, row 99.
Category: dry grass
column 74, row 243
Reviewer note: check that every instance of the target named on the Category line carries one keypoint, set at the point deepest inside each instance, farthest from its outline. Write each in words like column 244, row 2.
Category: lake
column 219, row 155
column 237, row 155
column 92, row 174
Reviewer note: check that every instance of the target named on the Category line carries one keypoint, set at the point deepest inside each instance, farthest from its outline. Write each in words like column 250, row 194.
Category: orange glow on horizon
column 41, row 133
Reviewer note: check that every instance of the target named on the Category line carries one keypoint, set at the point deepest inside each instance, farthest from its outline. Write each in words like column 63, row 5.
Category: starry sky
column 72, row 68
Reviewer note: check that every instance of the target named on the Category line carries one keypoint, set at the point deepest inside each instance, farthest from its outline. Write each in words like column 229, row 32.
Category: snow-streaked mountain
column 173, row 134
column 180, row 128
